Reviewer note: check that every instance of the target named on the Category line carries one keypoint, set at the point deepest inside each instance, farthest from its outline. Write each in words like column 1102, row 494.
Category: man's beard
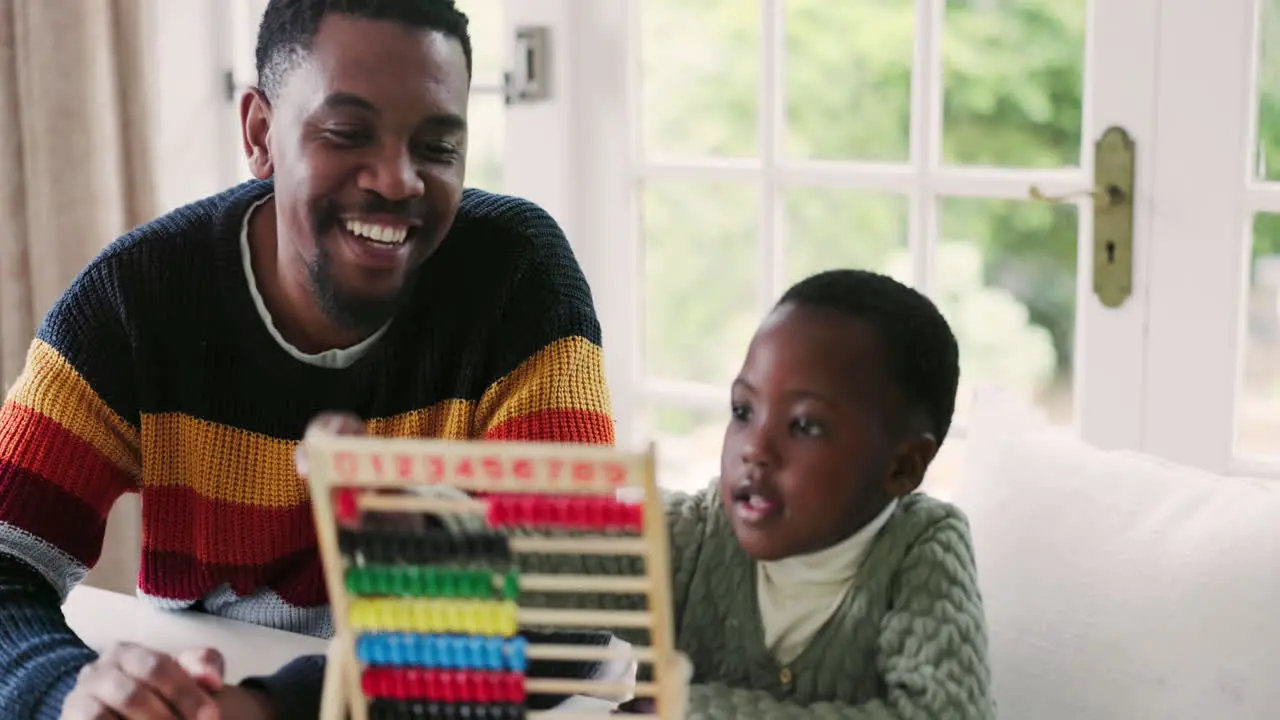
column 352, row 312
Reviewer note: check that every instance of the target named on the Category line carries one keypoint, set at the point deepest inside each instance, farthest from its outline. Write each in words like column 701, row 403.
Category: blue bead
column 431, row 651
column 475, row 652
column 362, row 649
column 516, row 660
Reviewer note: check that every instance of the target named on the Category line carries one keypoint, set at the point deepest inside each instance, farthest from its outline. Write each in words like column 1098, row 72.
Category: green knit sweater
column 908, row 642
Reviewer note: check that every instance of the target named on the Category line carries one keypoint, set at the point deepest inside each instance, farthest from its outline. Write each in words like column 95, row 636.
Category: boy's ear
column 910, row 463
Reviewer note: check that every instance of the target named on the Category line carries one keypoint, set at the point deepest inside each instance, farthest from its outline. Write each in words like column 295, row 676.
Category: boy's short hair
column 289, row 26
column 922, row 354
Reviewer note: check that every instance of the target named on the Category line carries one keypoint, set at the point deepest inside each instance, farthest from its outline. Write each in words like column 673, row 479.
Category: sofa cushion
column 1117, row 585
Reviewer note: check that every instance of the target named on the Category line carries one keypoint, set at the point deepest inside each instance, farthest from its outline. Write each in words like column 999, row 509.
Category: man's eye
column 740, row 412
column 345, row 136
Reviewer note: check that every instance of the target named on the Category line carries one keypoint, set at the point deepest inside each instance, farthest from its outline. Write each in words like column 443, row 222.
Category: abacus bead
column 493, row 654
column 637, row 517
column 515, row 688
column 448, row 687
column 431, row 684
column 511, row 585
column 473, row 652
column 430, row 711
column 516, row 661
column 345, row 507
column 482, row 582
column 592, row 514
column 430, row 582
column 368, row 683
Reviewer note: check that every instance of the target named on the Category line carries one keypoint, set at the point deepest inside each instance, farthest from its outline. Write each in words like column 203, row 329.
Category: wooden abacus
column 417, row 636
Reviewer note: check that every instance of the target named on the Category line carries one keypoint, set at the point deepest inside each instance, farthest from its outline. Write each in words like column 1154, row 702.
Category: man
column 354, row 275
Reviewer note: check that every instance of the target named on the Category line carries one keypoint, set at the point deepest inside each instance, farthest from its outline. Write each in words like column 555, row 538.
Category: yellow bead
column 509, row 622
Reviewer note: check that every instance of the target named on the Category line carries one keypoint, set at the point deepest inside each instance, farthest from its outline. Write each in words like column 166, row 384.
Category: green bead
column 483, row 580
column 353, row 581
column 431, row 582
column 511, row 585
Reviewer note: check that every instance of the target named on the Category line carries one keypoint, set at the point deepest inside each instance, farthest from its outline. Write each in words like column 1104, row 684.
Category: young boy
column 811, row 581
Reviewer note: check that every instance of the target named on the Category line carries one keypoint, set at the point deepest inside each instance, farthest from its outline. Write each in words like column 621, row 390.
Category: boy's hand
column 132, row 682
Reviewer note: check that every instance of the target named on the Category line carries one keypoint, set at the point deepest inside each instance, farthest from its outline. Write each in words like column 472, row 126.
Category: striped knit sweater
column 154, row 374
column 908, row 642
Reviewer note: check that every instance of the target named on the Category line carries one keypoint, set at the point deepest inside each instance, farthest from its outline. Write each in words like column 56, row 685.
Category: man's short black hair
column 922, row 354
column 289, row 27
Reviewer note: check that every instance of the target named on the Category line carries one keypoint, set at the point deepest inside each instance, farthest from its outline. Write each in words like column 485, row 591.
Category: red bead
column 480, row 689
column 415, row 683
column 431, row 685
column 448, row 687
column 346, row 510
column 368, row 683
column 494, row 687
column 635, row 517
column 542, row 512
column 526, row 510
column 496, row 513
column 515, row 688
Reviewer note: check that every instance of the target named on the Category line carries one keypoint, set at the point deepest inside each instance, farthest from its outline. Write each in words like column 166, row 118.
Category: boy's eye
column 807, row 427
column 741, row 413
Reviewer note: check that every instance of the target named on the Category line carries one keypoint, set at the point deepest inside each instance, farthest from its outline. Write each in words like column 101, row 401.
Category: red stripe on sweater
column 224, row 533
column 298, row 578
column 38, row 506
column 39, row 444
column 577, row 426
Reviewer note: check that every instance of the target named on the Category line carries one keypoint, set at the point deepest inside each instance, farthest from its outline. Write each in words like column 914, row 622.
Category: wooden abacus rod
column 538, row 651
column 384, row 502
column 582, row 545
column 581, row 715
column 594, row 688
column 542, row 617
column 613, row 584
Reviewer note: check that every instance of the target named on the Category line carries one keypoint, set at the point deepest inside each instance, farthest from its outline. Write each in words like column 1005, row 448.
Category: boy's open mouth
column 752, row 506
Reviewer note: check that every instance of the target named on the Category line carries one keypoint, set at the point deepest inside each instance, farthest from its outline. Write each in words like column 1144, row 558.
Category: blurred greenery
column 1013, row 87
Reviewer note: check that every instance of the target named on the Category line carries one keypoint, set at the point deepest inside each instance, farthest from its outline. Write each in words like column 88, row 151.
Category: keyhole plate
column 1114, row 165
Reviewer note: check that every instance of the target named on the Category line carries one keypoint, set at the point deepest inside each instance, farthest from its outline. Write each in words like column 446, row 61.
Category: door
column 1214, row 333
column 764, row 140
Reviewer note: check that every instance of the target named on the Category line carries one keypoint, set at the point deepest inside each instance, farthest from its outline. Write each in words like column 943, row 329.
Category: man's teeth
column 758, row 502
column 378, row 233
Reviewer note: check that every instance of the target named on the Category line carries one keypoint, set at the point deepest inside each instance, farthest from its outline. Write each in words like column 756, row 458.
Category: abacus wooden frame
column 368, row 463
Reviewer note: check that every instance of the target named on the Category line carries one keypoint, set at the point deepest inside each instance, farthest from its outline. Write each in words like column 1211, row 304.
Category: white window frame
column 1205, row 197
column 1110, row 361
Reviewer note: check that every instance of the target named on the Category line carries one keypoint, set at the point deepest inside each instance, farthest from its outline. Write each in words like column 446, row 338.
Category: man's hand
column 131, row 682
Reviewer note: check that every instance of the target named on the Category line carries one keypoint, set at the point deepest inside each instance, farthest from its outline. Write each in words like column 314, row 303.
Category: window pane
column 486, row 141
column 700, row 243
column 1258, row 405
column 688, row 443
column 849, row 60
column 1006, row 281
column 700, row 68
column 1013, row 77
column 839, row 228
column 1268, row 151
column 487, row 42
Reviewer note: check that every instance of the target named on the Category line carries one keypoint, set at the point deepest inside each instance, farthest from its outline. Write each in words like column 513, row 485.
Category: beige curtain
column 74, row 174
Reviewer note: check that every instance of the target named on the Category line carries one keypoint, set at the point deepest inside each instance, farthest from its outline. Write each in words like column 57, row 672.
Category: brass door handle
column 1108, row 196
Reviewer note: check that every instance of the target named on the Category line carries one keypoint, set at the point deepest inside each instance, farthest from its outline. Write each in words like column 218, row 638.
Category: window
column 778, row 138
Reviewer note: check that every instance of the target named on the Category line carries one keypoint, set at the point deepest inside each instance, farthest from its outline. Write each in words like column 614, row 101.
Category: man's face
column 367, row 144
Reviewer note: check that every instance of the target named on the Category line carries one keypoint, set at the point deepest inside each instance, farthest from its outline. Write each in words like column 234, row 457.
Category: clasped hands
column 132, row 682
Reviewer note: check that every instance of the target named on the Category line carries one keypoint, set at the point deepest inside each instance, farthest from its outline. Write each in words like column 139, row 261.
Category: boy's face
column 818, row 443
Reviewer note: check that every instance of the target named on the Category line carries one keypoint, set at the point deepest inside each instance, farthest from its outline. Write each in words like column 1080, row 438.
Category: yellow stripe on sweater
column 568, row 374
column 49, row 385
column 224, row 463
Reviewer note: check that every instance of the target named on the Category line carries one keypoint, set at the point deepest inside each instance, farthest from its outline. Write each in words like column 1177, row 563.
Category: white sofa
column 1117, row 585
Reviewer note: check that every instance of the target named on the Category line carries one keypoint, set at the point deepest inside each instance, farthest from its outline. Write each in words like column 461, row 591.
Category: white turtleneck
column 797, row 595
